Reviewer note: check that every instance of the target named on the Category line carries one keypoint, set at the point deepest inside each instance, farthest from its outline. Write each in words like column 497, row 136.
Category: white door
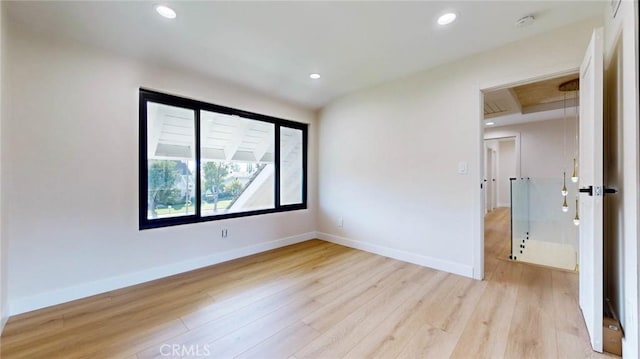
column 591, row 174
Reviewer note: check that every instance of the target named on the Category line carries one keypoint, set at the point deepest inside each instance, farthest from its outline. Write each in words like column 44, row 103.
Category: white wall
column 382, row 167
column 4, row 311
column 621, row 51
column 70, row 175
column 542, row 146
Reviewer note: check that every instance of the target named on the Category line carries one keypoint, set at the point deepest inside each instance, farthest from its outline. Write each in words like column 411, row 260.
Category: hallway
column 537, row 306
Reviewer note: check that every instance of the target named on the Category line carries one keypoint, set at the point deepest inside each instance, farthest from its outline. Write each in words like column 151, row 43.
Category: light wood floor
column 320, row 300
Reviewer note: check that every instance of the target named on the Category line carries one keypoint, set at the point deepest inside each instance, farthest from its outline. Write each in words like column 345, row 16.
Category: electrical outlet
column 340, row 222
column 225, row 233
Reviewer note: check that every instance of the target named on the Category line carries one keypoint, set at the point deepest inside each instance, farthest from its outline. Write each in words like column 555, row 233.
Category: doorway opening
column 530, row 133
column 501, row 163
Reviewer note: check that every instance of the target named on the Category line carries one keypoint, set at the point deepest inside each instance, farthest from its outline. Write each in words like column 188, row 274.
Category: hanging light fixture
column 573, row 86
column 576, row 219
column 564, row 145
column 565, row 206
column 574, row 178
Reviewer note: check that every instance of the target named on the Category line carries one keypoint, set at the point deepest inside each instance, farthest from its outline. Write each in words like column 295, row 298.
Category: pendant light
column 574, row 177
column 573, row 86
column 565, row 206
column 576, row 219
column 564, row 145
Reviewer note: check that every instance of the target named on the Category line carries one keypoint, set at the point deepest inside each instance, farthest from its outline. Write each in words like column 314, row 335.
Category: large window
column 202, row 162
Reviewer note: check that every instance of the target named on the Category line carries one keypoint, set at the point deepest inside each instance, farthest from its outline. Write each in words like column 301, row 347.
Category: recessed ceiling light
column 166, row 11
column 314, row 76
column 490, row 123
column 447, row 18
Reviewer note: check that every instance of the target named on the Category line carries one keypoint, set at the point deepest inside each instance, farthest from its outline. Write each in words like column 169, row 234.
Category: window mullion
column 276, row 147
column 197, row 196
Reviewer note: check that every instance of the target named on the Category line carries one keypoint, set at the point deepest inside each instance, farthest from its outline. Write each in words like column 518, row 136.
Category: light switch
column 462, row 167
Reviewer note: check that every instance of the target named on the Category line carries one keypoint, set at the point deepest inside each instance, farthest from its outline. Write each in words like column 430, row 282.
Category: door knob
column 588, row 190
column 599, row 190
column 610, row 190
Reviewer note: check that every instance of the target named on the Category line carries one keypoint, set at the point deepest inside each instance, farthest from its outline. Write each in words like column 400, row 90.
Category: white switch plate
column 462, row 167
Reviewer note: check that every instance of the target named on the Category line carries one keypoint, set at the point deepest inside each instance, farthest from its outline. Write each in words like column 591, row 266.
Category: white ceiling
column 272, row 47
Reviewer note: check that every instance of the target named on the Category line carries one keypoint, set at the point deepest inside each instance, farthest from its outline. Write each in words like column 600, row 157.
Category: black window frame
column 146, row 95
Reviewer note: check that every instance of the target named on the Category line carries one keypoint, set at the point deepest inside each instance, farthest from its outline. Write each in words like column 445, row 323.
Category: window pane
column 237, row 159
column 170, row 161
column 291, row 172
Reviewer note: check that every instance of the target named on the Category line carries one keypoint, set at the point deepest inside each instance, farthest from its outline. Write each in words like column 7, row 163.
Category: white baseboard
column 425, row 261
column 27, row 304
